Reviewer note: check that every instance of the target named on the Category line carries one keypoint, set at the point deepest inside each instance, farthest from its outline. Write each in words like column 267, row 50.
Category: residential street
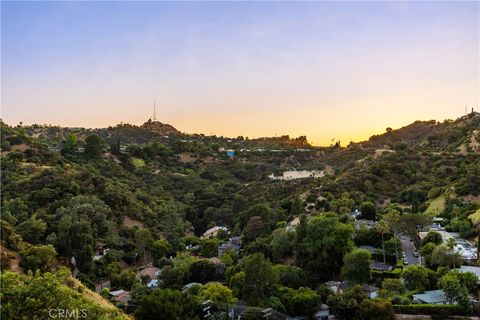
column 408, row 250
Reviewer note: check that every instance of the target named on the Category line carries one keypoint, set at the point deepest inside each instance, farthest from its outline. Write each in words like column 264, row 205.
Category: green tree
column 290, row 276
column 282, row 244
column 237, row 283
column 296, row 206
column 416, row 277
column 303, row 301
column 320, row 251
column 432, row 237
column 94, row 146
column 392, row 218
column 356, row 266
column 69, row 146
column 382, row 228
column 454, row 291
column 32, row 296
column 172, row 278
column 215, row 291
column 259, row 278
column 376, row 310
column 32, row 229
column 210, row 248
column 38, row 257
column 166, row 304
column 369, row 211
column 161, row 248
column 443, row 255
column 143, row 241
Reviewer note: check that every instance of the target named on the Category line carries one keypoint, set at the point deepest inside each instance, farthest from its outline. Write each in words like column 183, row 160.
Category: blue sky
column 324, row 69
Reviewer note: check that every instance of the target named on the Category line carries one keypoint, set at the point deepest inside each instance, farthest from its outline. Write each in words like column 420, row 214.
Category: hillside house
column 431, row 297
column 233, row 243
column 212, row 232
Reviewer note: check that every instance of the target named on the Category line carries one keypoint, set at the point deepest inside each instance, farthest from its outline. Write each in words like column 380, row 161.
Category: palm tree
column 382, row 227
column 392, row 218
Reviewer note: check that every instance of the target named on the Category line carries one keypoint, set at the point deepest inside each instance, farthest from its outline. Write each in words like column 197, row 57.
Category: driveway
column 408, row 249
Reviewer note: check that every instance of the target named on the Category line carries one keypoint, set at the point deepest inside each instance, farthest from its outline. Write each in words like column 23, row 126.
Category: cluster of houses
column 463, row 247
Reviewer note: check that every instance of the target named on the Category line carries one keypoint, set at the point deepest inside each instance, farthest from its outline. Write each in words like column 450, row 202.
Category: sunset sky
column 342, row 70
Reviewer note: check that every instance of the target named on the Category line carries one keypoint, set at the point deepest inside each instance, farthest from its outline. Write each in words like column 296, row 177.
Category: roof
column 212, row 230
column 375, row 265
column 190, row 285
column 124, row 297
column 153, row 283
column 434, row 296
column 369, row 288
column 332, row 283
column 151, row 272
column 116, row 292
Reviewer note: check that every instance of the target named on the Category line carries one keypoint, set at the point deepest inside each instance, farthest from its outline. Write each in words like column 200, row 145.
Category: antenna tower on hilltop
column 154, row 118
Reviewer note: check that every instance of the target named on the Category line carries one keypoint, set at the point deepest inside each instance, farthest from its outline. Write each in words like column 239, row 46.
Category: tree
column 35, row 295
column 296, row 206
column 166, row 304
column 369, row 211
column 467, row 280
column 259, row 278
column 172, row 277
column 161, row 248
column 432, row 237
column 382, row 228
column 38, row 257
column 346, row 305
column 392, row 218
column 443, row 255
column 204, row 271
column 454, row 291
column 426, row 253
column 356, row 266
column 215, row 291
column 143, row 241
column 94, row 146
column 69, row 146
column 303, row 301
column 395, row 286
column 290, row 276
column 416, row 277
column 32, row 230
column 281, row 243
column 209, row 248
column 376, row 310
column 237, row 283
column 320, row 249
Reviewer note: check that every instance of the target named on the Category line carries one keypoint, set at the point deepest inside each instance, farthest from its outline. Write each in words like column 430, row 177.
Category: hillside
column 148, row 193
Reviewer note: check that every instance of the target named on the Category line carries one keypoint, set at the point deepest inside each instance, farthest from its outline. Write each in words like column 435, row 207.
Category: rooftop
column 434, row 296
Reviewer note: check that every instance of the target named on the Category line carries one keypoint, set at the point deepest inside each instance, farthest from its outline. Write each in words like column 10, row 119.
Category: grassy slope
column 436, row 206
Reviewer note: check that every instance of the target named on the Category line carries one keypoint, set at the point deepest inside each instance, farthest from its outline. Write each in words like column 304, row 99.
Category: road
column 408, row 249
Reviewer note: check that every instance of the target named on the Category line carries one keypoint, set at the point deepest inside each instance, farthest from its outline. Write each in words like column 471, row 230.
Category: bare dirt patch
column 187, row 157
column 130, row 223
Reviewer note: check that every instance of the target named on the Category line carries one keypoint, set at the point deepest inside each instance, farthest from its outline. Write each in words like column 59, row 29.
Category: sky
column 327, row 70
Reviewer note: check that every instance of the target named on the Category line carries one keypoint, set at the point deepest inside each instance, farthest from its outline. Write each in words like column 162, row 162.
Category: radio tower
column 154, row 118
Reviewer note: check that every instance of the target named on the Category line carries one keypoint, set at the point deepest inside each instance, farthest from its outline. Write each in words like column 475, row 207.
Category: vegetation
column 107, row 203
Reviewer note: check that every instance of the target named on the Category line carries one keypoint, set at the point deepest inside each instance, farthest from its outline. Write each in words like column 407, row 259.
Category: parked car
column 415, row 254
column 405, row 262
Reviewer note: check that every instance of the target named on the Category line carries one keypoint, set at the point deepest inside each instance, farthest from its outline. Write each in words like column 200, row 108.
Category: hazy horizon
column 327, row 70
